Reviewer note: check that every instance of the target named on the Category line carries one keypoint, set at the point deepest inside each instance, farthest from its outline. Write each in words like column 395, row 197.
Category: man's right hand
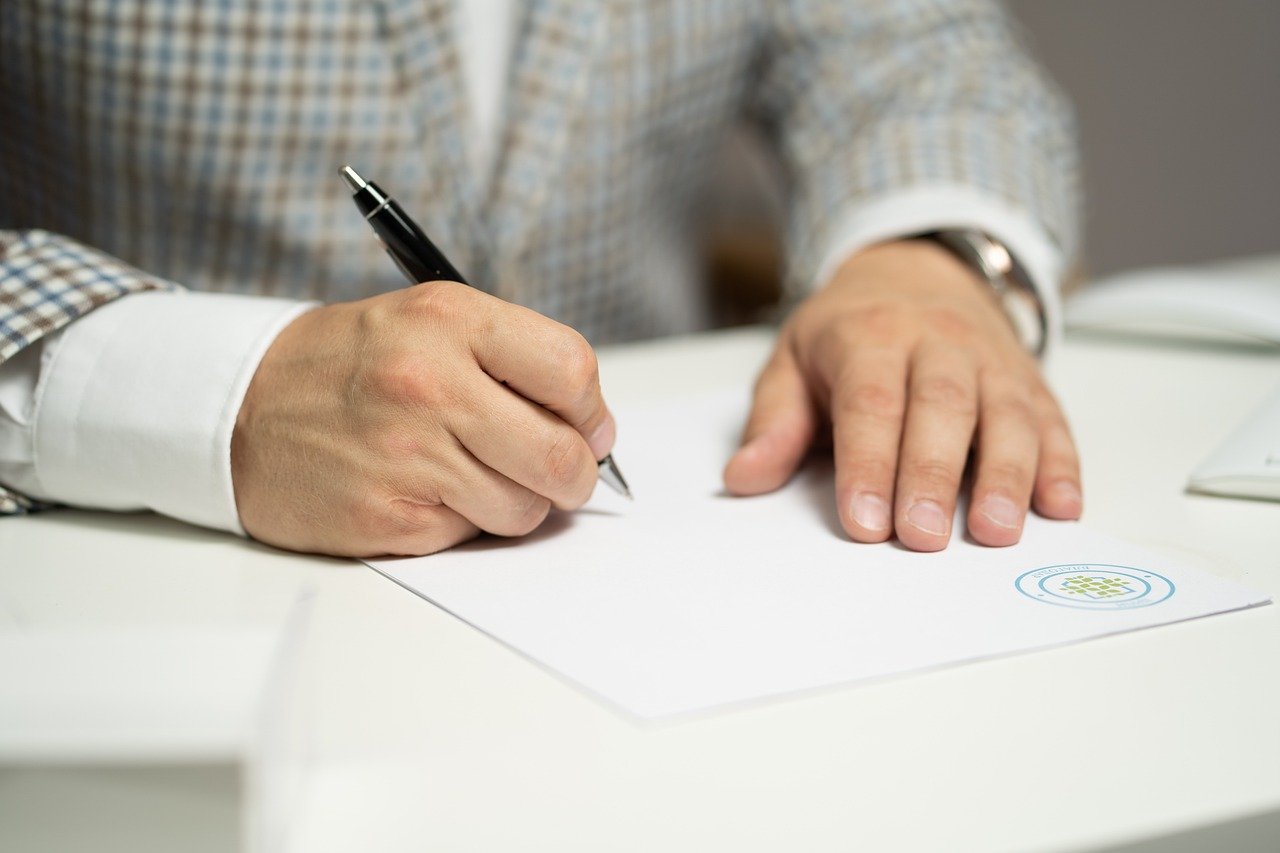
column 408, row 422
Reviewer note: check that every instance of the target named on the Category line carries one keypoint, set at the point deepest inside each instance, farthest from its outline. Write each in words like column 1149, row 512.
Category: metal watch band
column 1013, row 289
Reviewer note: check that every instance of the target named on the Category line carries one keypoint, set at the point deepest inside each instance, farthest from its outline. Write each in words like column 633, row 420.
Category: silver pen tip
column 352, row 177
column 613, row 477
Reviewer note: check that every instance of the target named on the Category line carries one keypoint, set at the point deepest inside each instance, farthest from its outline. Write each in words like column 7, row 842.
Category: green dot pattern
column 1096, row 587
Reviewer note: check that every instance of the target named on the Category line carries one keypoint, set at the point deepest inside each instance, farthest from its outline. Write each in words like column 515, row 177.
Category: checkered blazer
column 162, row 143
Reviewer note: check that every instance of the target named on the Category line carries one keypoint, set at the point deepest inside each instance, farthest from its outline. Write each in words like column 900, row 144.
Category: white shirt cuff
column 941, row 206
column 137, row 402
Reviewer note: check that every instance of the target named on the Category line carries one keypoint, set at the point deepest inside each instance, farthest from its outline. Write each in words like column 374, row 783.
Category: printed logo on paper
column 1095, row 586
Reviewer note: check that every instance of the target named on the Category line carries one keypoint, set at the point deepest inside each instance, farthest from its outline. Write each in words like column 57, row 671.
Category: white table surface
column 428, row 735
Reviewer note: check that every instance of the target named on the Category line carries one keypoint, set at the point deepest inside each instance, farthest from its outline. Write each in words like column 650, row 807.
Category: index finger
column 549, row 364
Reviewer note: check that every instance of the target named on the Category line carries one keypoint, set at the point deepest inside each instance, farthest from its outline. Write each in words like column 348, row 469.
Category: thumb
column 779, row 429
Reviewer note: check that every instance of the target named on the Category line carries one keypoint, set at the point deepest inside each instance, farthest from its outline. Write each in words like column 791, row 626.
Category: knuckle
column 868, row 473
column 435, row 300
column 1055, row 435
column 380, row 523
column 949, row 322
column 412, row 518
column 1009, row 409
column 875, row 399
column 376, row 316
column 1043, row 398
column 396, row 378
column 1058, row 463
column 577, row 363
column 879, row 321
column 370, row 515
column 563, row 463
column 936, row 475
column 945, row 392
column 404, row 379
column 581, row 492
column 1007, row 472
column 1053, row 426
column 414, row 527
column 418, row 510
column 395, row 445
column 831, row 343
column 1011, row 413
column 1048, row 410
column 528, row 514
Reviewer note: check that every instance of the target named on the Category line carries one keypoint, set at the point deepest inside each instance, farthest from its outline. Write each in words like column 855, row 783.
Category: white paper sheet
column 687, row 599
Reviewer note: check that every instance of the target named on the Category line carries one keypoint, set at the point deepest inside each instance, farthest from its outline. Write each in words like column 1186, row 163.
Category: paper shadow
column 816, row 480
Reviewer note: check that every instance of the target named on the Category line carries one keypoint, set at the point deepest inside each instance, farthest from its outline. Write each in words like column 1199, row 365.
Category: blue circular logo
column 1095, row 586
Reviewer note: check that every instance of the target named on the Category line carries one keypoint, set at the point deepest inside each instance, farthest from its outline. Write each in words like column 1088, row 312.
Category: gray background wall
column 1179, row 110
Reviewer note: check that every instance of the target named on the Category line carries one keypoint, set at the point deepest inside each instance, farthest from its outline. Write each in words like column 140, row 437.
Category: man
column 556, row 149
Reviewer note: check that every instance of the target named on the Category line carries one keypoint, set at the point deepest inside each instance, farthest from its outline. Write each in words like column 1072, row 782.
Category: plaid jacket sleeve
column 868, row 99
column 46, row 281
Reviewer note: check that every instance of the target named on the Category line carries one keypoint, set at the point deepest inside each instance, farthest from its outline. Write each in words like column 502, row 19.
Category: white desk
column 428, row 735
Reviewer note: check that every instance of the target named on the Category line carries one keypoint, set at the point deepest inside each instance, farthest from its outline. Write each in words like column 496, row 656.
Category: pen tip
column 352, row 177
column 613, row 477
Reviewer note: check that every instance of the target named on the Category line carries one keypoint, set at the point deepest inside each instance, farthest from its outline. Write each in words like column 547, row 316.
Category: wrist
column 1006, row 278
column 914, row 266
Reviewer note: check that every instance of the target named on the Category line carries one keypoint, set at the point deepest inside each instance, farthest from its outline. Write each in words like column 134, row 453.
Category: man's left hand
column 908, row 358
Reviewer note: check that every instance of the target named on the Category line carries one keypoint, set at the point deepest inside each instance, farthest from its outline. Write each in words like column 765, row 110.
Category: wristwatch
column 1013, row 289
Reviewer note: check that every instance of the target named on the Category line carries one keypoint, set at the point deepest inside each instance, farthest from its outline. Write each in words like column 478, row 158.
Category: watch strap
column 1008, row 279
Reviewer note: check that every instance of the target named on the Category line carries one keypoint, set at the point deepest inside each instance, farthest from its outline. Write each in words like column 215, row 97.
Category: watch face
column 995, row 256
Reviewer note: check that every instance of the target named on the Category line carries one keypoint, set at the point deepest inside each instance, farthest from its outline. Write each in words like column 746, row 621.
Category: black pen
column 420, row 260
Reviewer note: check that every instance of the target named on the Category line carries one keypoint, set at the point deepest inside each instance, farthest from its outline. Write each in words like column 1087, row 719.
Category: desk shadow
column 149, row 525
column 127, row 523
column 1257, row 831
column 148, row 537
column 816, row 480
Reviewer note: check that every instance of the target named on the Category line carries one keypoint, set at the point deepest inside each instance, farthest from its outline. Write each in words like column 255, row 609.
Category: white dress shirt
column 90, row 416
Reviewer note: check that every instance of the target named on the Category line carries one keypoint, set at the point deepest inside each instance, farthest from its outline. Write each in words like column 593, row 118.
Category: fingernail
column 929, row 517
column 601, row 441
column 1001, row 511
column 870, row 512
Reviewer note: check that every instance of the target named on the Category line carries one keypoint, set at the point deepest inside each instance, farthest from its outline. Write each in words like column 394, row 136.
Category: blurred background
column 1178, row 105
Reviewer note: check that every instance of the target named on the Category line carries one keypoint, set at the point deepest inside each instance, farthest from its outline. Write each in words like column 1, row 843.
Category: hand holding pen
column 408, row 422
column 420, row 260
